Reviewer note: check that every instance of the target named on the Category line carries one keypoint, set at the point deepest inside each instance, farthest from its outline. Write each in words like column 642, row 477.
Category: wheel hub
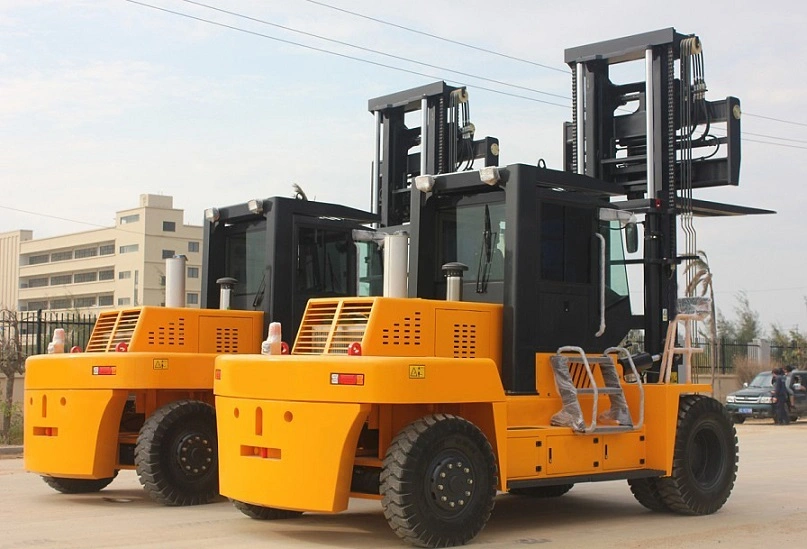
column 195, row 455
column 452, row 483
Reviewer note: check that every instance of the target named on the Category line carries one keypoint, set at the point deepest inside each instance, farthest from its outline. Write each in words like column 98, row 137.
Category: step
column 591, row 360
column 606, row 429
column 600, row 390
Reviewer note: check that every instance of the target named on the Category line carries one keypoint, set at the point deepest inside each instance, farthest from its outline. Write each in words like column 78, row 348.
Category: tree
column 792, row 343
column 746, row 327
column 12, row 362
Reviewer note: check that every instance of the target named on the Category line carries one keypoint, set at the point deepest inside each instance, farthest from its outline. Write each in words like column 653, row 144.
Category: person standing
column 780, row 396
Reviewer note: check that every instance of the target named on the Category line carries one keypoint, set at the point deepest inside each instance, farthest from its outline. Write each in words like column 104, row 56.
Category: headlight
column 766, row 400
column 730, row 399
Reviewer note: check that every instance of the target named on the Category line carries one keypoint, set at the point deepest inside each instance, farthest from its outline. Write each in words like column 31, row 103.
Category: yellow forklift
column 140, row 396
column 516, row 381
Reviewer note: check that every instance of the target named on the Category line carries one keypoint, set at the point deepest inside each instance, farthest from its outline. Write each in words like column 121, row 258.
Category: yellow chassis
column 289, row 438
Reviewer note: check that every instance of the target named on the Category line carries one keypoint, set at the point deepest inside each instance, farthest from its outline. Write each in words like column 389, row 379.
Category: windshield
column 763, row 380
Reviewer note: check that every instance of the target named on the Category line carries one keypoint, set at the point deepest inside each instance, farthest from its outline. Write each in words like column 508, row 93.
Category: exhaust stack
column 226, row 283
column 175, row 281
column 453, row 273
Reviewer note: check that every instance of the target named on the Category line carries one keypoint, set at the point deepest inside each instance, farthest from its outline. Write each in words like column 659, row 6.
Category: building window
column 169, row 226
column 38, row 259
column 129, row 248
column 106, row 249
column 193, row 272
column 126, row 219
column 61, row 256
column 193, row 246
column 85, row 301
column 61, row 279
column 124, row 300
column 37, row 282
column 167, row 254
column 124, row 274
column 86, row 252
column 35, row 305
column 60, row 304
column 106, row 275
column 105, row 301
column 85, row 277
column 192, row 299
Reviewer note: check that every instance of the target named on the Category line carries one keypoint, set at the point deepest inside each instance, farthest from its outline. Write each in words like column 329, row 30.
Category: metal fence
column 35, row 329
column 729, row 353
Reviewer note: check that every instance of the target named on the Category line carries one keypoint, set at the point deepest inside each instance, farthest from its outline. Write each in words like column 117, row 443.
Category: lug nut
column 443, row 498
column 462, row 502
column 451, row 504
column 466, row 470
column 439, row 486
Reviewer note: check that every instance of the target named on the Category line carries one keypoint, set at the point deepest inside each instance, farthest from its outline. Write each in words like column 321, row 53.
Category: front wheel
column 704, row 458
column 177, row 456
column 78, row 485
column 438, row 481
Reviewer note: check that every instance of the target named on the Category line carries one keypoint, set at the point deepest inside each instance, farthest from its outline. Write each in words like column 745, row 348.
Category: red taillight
column 347, row 379
column 121, row 347
column 217, row 374
column 354, row 349
column 657, row 203
column 104, row 370
column 284, row 348
column 75, row 349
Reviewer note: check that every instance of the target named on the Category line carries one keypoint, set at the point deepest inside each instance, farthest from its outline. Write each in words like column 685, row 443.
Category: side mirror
column 631, row 237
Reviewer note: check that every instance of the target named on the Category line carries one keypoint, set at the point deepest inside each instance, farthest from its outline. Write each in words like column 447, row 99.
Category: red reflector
column 284, row 348
column 48, row 432
column 75, row 349
column 217, row 374
column 354, row 349
column 657, row 204
column 347, row 379
column 104, row 370
column 122, row 347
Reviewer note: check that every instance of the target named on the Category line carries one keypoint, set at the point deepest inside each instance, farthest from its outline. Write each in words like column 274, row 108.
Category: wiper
column 483, row 271
column 260, row 292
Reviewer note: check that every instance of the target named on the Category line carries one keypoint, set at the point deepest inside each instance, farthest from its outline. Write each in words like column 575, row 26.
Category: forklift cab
column 284, row 252
column 546, row 244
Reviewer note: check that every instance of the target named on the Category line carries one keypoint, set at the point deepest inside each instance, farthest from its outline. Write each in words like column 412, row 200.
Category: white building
column 120, row 266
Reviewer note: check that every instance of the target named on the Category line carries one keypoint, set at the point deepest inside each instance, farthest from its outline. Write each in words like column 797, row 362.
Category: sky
column 101, row 101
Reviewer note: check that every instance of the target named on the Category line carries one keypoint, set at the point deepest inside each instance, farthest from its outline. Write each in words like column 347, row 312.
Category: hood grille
column 111, row 328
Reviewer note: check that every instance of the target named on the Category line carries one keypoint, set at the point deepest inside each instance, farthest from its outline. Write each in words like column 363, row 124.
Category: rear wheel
column 176, row 455
column 259, row 512
column 646, row 492
column 704, row 458
column 542, row 491
column 438, row 482
column 78, row 485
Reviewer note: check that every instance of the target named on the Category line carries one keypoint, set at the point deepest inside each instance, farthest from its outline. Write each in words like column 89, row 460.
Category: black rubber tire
column 259, row 512
column 542, row 491
column 646, row 492
column 78, row 485
column 438, row 482
column 176, row 456
column 738, row 419
column 704, row 458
